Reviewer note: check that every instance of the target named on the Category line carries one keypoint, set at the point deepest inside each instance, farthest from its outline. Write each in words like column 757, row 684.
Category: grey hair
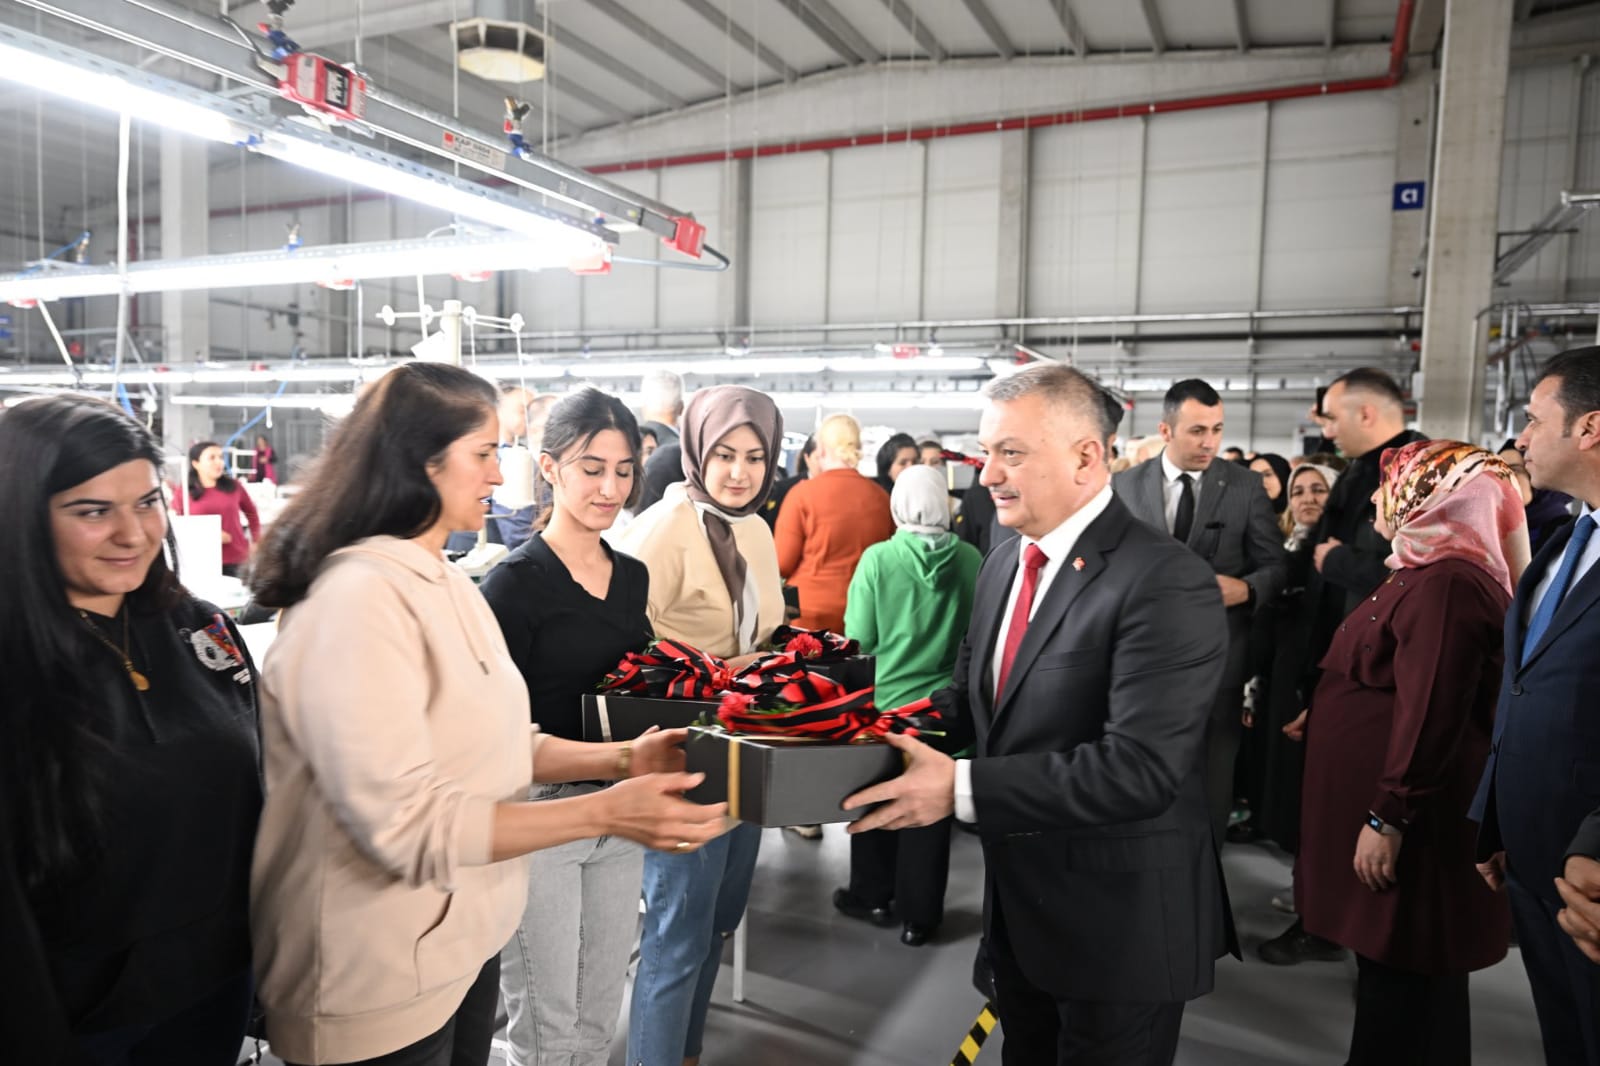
column 661, row 390
column 1070, row 389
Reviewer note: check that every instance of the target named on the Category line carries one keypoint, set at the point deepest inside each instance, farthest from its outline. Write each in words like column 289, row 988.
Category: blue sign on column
column 1410, row 195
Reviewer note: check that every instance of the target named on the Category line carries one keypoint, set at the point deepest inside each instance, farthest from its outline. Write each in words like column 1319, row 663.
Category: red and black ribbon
column 669, row 670
column 830, row 713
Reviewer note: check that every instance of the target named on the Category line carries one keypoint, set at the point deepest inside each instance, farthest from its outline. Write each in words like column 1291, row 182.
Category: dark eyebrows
column 86, row 502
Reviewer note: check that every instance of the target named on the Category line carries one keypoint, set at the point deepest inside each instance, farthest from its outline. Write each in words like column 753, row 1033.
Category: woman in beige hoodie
column 397, row 746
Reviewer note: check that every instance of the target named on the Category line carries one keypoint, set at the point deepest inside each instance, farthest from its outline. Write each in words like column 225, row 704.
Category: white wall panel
column 875, row 233
column 1534, row 170
column 1201, row 210
column 789, row 239
column 961, row 257
column 689, row 297
column 1083, row 227
column 1329, row 183
column 627, row 297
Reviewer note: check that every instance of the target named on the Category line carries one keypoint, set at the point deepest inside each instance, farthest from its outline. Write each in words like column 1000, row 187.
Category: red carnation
column 805, row 646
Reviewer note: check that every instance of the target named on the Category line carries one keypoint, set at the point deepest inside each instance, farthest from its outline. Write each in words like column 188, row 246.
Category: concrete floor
column 824, row 989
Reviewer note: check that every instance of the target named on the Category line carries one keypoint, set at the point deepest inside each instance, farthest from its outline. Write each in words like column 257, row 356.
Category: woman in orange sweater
column 827, row 522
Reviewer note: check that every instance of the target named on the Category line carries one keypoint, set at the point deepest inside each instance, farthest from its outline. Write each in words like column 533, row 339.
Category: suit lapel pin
column 1077, row 564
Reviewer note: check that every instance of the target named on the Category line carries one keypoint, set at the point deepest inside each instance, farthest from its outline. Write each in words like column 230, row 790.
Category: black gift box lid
column 783, row 781
column 611, row 716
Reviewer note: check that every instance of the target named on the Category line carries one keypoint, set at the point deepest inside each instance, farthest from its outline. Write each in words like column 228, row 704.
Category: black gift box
column 612, row 716
column 777, row 781
column 855, row 673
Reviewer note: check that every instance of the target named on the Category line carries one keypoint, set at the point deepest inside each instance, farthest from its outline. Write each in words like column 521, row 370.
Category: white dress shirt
column 1591, row 554
column 1057, row 546
column 1172, row 490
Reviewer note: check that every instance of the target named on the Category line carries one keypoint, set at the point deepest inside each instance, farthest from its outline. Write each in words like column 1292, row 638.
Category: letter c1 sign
column 1410, row 195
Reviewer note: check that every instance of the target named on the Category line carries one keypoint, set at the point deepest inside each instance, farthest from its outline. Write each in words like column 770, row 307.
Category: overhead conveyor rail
column 224, row 49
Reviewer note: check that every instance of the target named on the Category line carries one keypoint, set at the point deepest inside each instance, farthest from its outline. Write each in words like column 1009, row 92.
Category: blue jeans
column 691, row 902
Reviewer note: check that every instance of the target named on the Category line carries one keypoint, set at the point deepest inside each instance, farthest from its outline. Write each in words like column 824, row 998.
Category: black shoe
column 1295, row 945
column 913, row 935
column 851, row 905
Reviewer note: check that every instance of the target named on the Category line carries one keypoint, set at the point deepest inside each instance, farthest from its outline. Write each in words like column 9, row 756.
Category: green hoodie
column 909, row 604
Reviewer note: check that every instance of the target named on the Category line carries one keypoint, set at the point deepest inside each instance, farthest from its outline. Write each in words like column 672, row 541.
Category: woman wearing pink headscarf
column 1397, row 736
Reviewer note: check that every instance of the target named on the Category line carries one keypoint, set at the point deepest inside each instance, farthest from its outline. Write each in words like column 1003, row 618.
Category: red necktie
column 1033, row 563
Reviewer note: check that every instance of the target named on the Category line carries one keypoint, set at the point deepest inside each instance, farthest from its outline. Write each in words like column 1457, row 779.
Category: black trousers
column 909, row 866
column 1565, row 984
column 1409, row 1019
column 207, row 1033
column 1040, row 1030
column 463, row 1040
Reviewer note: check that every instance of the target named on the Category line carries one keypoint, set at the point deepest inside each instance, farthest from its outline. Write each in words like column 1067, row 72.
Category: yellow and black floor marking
column 967, row 1053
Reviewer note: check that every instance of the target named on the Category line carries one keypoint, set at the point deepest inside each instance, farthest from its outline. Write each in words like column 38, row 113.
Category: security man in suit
column 1536, row 802
column 1221, row 512
column 1104, row 910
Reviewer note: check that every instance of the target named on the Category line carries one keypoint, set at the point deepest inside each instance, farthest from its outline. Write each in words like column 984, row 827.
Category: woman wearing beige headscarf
column 714, row 584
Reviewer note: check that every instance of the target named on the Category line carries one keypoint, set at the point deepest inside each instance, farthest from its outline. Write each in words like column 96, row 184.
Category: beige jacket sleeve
column 355, row 704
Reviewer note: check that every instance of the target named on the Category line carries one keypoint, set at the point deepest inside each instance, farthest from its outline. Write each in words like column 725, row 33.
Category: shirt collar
column 1058, row 543
column 1172, row 473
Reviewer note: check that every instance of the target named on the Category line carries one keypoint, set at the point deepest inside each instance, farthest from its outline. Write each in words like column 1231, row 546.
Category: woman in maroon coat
column 1396, row 739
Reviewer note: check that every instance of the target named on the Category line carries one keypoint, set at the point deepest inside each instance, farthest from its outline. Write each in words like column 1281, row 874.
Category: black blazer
column 1542, row 780
column 1087, row 779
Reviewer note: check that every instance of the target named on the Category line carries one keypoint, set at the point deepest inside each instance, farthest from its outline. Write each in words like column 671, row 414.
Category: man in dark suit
column 1543, row 776
column 1103, row 907
column 1363, row 413
column 1220, row 511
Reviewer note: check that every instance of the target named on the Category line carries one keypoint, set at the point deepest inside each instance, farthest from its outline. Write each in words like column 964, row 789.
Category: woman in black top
column 571, row 607
column 129, row 763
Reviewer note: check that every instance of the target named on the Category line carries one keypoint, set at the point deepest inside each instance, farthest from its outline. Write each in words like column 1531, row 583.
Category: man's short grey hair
column 661, row 390
column 1070, row 389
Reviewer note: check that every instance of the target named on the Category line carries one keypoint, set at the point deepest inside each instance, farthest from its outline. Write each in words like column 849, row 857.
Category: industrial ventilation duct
column 498, row 44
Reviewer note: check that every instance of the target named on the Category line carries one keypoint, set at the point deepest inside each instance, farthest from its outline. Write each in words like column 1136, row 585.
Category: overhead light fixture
column 389, row 174
column 43, row 65
column 340, row 262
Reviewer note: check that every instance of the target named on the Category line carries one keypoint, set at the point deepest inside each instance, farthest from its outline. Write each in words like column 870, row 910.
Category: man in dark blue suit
column 1543, row 777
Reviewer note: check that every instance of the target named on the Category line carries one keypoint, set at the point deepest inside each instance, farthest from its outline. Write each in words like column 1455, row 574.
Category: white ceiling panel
column 1114, row 25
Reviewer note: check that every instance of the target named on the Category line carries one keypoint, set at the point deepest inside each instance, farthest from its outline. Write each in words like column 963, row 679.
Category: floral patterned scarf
column 1447, row 500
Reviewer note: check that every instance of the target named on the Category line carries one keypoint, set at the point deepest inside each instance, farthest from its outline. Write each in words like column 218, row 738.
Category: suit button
column 1516, row 688
column 1374, row 618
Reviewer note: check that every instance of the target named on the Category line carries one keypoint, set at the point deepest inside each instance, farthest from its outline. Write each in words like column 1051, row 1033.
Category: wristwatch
column 1382, row 826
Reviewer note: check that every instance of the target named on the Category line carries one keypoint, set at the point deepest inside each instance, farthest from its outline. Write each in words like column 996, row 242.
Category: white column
column 185, row 316
column 1465, row 215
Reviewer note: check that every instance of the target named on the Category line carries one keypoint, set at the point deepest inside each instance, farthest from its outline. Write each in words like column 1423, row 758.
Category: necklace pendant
column 140, row 682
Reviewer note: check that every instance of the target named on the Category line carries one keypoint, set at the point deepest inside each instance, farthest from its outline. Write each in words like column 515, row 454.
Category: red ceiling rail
column 1397, row 56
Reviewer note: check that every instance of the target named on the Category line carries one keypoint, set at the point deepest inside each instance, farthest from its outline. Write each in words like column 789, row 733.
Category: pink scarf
column 1447, row 500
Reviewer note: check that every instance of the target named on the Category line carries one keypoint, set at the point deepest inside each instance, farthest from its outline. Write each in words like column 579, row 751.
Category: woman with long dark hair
column 895, row 455
column 208, row 489
column 129, row 783
column 396, row 727
column 570, row 607
column 713, row 584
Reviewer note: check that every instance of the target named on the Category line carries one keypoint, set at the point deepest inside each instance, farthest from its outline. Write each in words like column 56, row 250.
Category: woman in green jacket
column 909, row 604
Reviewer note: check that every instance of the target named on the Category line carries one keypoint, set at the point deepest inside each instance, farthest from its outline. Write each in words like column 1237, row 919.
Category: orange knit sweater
column 826, row 523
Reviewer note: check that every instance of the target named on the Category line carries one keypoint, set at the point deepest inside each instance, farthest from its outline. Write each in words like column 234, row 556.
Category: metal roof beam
column 603, row 59
column 991, row 27
column 1331, row 26
column 1523, row 11
column 741, row 36
column 1152, row 21
column 619, row 14
column 826, row 31
column 1241, row 26
column 1070, row 26
column 901, row 10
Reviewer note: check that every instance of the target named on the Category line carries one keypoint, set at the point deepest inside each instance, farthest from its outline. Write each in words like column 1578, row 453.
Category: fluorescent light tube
column 112, row 93
column 332, row 263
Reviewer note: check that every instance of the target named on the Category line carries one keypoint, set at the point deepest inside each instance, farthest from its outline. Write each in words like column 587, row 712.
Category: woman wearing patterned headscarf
column 714, row 584
column 1398, row 733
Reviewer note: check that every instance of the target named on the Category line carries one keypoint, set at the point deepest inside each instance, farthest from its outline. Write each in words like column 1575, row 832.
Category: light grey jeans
column 562, row 975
